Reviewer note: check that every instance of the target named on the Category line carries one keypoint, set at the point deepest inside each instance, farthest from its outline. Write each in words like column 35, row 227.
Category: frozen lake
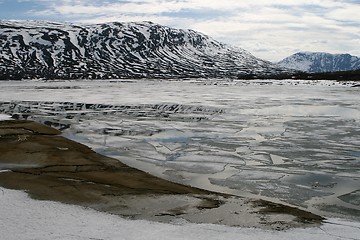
column 287, row 141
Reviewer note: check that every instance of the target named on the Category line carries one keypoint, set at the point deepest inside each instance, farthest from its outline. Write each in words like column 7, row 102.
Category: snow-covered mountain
column 37, row 49
column 321, row 62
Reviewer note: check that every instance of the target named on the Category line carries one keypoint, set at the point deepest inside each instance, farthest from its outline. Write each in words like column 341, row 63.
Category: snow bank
column 4, row 117
column 25, row 218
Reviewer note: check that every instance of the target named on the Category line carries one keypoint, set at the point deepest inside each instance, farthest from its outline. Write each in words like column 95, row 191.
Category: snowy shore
column 48, row 166
column 24, row 218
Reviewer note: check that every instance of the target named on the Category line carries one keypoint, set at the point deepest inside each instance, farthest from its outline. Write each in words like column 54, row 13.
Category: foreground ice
column 24, row 218
column 290, row 141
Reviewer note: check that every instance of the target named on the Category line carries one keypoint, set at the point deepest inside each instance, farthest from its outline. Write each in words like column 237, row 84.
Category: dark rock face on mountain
column 321, row 62
column 33, row 49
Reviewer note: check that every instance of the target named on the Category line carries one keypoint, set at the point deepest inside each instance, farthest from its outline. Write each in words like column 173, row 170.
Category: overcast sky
column 269, row 29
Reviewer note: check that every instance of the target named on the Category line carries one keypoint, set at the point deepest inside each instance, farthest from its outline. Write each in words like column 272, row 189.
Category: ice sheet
column 292, row 141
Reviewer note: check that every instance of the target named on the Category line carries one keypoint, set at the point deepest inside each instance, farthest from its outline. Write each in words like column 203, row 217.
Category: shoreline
column 36, row 159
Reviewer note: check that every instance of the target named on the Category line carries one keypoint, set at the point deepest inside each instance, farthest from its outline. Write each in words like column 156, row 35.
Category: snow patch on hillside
column 4, row 117
column 119, row 50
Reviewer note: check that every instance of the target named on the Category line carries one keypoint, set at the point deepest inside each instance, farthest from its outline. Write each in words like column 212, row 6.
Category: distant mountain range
column 315, row 62
column 48, row 50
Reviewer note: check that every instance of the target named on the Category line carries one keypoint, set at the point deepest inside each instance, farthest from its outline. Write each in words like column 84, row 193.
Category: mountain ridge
column 315, row 62
column 49, row 50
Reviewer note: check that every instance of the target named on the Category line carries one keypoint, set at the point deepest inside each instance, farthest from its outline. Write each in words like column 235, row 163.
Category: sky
column 269, row 29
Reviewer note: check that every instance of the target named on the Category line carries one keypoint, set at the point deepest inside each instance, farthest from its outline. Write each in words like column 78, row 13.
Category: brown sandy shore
column 36, row 159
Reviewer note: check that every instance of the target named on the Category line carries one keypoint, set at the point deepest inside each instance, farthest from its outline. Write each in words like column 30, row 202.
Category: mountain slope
column 33, row 49
column 321, row 62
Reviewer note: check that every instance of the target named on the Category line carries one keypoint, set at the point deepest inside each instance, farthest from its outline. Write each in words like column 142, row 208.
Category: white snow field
column 22, row 218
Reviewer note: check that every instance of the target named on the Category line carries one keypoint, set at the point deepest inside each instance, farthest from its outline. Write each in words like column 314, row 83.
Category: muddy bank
column 35, row 158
